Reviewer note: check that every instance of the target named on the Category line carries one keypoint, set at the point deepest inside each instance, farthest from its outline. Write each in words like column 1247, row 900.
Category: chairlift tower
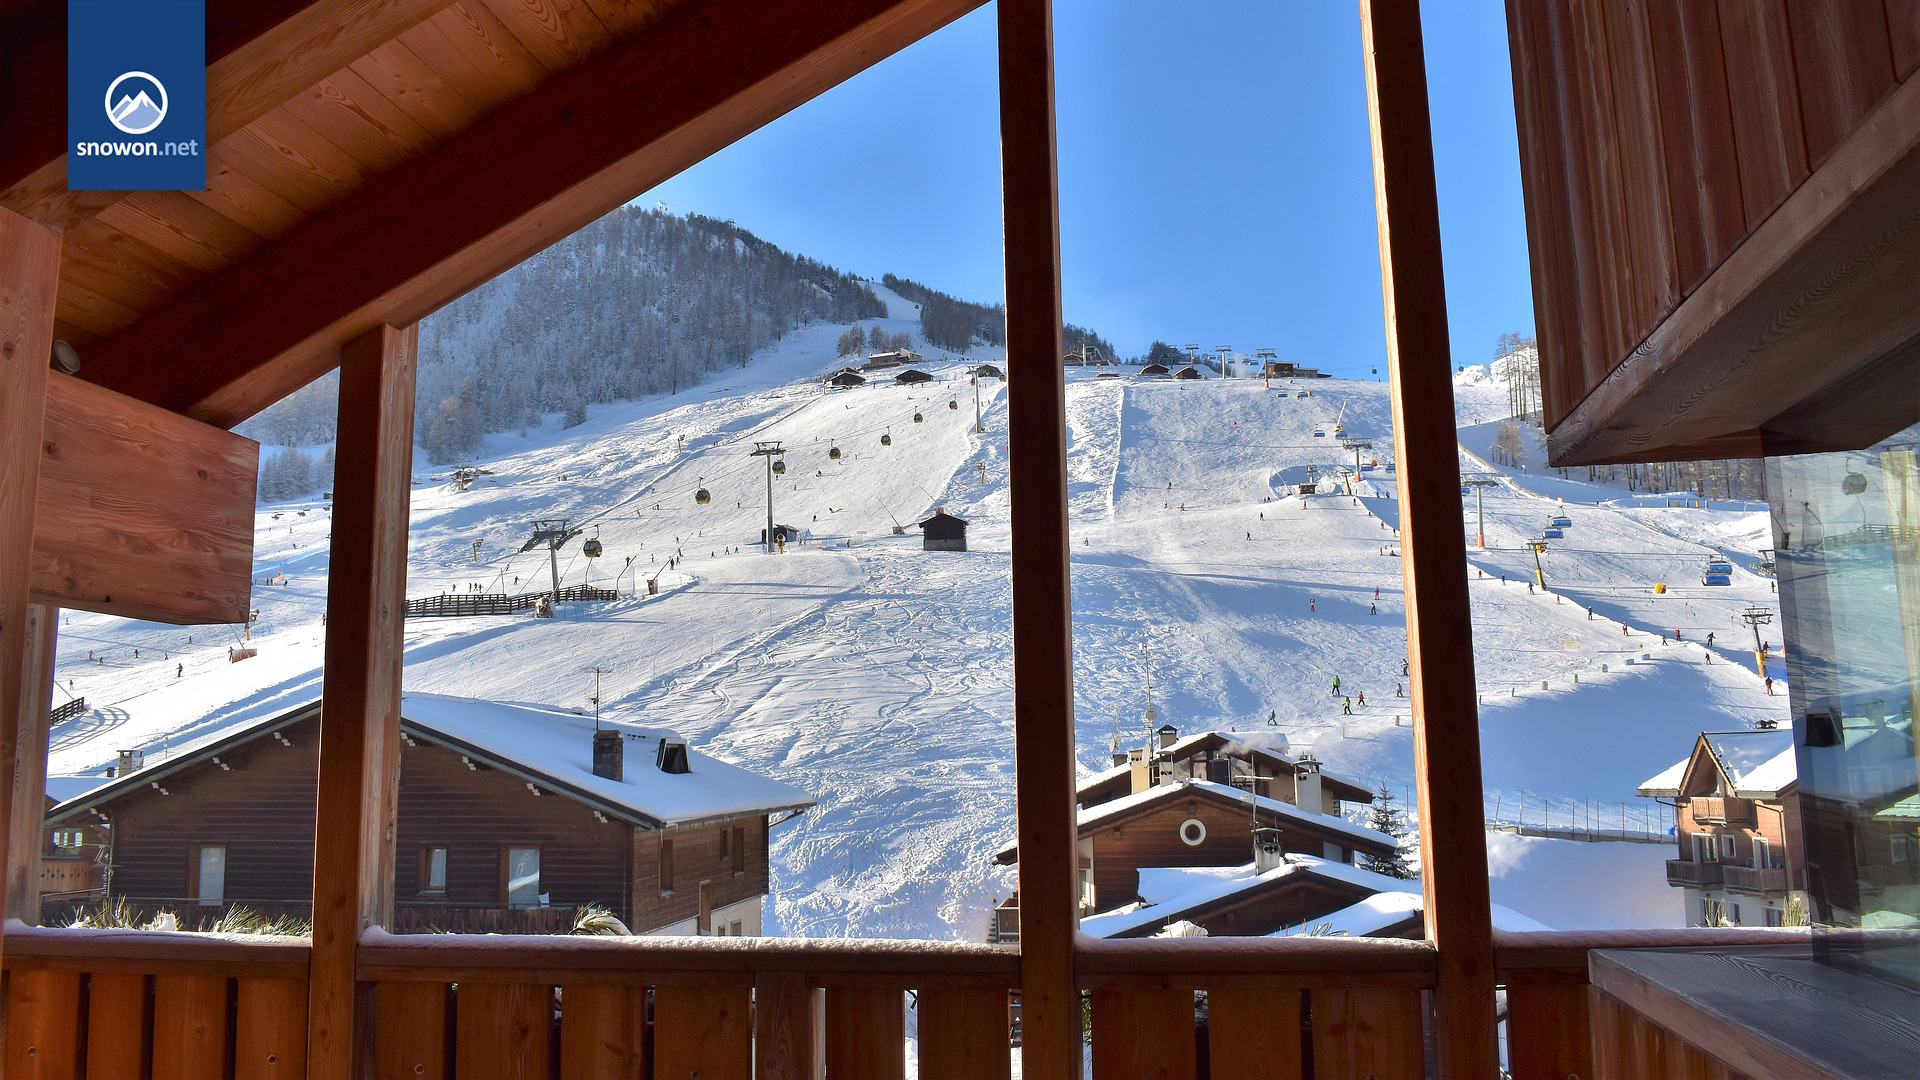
column 1538, row 544
column 553, row 532
column 1480, row 484
column 770, row 451
column 1758, row 617
column 1356, row 445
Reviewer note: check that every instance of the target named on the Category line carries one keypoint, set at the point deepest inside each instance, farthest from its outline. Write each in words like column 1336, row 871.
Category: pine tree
column 1390, row 819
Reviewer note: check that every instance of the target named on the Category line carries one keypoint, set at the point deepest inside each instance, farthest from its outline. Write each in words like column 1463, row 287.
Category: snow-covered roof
column 1386, row 909
column 544, row 744
column 1758, row 764
column 62, row 788
column 1666, row 782
column 1185, row 788
column 1168, row 892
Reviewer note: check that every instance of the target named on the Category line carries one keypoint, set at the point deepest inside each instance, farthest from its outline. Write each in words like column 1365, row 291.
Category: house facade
column 1737, row 825
column 511, row 819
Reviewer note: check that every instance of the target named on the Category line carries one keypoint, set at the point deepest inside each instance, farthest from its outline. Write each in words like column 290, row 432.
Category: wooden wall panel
column 1368, row 1033
column 1843, row 59
column 1646, row 207
column 1254, row 1033
column 119, row 1024
column 191, row 1026
column 964, row 1035
column 786, row 1022
column 1696, row 133
column 601, row 1027
column 503, row 1031
column 142, row 512
column 1769, row 141
column 1549, row 1035
column 27, row 811
column 1140, row 1031
column 1903, row 33
column 703, row 1030
column 1590, row 87
column 43, row 1033
column 1542, row 182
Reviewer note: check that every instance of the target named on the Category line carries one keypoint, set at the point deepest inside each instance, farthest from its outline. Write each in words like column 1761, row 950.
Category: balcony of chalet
column 1716, row 275
column 1698, row 875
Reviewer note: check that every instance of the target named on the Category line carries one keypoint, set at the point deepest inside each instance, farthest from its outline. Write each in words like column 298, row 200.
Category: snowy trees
column 289, row 474
column 1390, row 819
column 853, row 341
column 1516, row 358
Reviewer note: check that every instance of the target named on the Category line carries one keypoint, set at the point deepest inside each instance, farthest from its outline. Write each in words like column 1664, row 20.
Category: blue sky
column 1215, row 183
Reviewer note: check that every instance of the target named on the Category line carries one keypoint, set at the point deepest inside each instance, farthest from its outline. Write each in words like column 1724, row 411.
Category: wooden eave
column 1176, row 792
column 370, row 162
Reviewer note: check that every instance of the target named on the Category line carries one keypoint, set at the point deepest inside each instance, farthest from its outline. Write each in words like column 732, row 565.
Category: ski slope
column 877, row 676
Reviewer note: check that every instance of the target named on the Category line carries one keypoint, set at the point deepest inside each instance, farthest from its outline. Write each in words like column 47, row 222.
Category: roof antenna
column 597, row 672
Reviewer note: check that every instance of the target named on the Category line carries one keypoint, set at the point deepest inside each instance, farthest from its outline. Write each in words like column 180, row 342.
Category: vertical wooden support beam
column 27, row 826
column 1042, row 608
column 360, row 711
column 1446, row 734
column 29, row 274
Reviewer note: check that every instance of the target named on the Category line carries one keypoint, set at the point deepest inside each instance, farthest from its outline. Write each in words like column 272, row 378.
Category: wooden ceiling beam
column 513, row 184
column 260, row 54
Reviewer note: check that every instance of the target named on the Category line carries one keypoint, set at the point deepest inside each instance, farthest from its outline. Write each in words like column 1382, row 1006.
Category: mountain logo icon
column 134, row 111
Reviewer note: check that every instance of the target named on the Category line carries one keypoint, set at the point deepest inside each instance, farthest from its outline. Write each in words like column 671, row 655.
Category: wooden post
column 28, row 824
column 29, row 273
column 1042, row 610
column 1446, row 735
column 360, row 713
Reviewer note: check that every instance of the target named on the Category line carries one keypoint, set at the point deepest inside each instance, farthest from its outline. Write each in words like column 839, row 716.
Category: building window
column 735, row 928
column 1736, row 914
column 1193, row 832
column 726, row 842
column 1727, row 846
column 739, row 849
column 666, row 866
column 523, row 877
column 209, row 869
column 1775, row 917
column 433, row 869
column 1906, row 850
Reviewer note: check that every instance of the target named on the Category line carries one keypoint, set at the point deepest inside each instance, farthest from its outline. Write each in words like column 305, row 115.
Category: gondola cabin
column 919, row 419
column 833, row 453
column 952, row 405
column 591, row 549
column 779, row 466
column 703, row 497
column 886, row 440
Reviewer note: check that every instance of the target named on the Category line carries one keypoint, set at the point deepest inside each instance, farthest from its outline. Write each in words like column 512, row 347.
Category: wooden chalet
column 1253, row 761
column 988, row 371
column 846, row 377
column 943, row 532
column 1721, row 229
column 1736, row 803
column 511, row 819
column 911, row 376
column 1188, row 373
column 892, row 358
column 1155, row 370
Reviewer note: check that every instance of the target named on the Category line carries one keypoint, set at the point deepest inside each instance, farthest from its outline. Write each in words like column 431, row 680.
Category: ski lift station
column 943, row 532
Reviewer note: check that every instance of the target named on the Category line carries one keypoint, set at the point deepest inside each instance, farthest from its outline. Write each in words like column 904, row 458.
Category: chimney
column 609, row 754
column 1137, row 766
column 1266, row 850
column 672, row 756
column 1168, row 735
column 1306, row 785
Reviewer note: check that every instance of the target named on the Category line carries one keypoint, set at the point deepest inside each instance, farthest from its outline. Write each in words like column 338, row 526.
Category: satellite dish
column 65, row 359
column 1153, row 713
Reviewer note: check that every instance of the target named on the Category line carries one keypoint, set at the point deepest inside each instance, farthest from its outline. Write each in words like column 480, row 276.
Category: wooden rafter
column 514, row 183
column 260, row 53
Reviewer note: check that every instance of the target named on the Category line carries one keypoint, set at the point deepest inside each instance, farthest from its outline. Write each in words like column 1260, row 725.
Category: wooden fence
column 458, row 604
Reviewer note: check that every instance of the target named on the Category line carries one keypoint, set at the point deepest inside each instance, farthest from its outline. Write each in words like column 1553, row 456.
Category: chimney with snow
column 1266, row 850
column 672, row 756
column 609, row 755
column 1306, row 785
column 1168, row 735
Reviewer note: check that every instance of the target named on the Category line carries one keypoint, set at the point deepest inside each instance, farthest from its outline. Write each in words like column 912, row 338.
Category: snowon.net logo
column 136, row 115
column 149, row 56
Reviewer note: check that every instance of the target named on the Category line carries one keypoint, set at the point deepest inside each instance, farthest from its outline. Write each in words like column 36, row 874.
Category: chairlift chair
column 1552, row 533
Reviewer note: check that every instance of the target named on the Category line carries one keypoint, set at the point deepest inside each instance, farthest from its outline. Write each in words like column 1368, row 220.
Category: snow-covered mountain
column 877, row 675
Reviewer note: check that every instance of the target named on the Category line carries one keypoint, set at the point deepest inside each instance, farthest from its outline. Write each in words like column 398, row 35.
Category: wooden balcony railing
column 1751, row 879
column 1697, row 874
column 1721, row 811
column 131, row 1003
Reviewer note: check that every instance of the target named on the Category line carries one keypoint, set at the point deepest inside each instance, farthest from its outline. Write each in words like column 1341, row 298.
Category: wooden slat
column 367, row 126
column 623, row 18
column 189, row 232
column 507, row 187
column 1646, row 209
column 119, row 1024
column 786, row 1021
column 190, row 1026
column 1549, row 1035
column 43, row 1025
column 644, row 961
column 410, row 1031
column 27, row 825
column 398, row 75
column 1368, row 1033
column 296, row 162
column 360, row 717
column 1843, row 61
column 560, row 34
column 1590, row 326
column 233, row 191
column 1599, row 158
column 1542, row 180
column 866, row 1033
column 1446, row 740
column 142, row 512
column 704, row 1031
column 964, row 1035
column 1903, row 33
column 282, row 48
column 1044, row 738
column 1768, row 140
column 270, row 1029
column 503, row 1031
column 479, row 58
column 29, row 262
column 1696, row 131
column 601, row 1026
column 1254, row 1033
column 1140, row 1031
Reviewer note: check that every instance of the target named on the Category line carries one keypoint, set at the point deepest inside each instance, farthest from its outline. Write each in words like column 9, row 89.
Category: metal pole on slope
column 1757, row 617
column 768, row 450
column 1479, row 484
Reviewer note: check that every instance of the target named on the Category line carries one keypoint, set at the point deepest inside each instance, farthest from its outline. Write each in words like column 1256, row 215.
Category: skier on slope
column 1346, row 706
column 1336, row 686
column 1363, row 699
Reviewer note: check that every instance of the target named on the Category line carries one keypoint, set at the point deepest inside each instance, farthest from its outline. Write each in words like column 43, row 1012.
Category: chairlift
column 779, row 466
column 834, row 453
column 917, row 418
column 1716, row 579
column 1319, row 433
column 1562, row 522
column 1552, row 533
